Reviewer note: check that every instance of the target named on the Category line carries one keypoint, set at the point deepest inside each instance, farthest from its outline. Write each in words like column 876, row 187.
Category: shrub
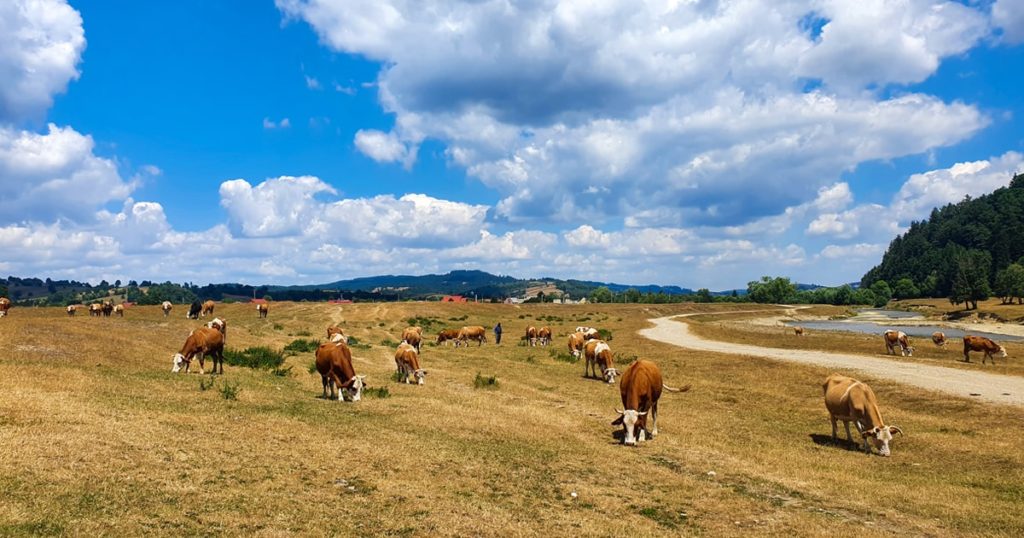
column 482, row 382
column 563, row 356
column 312, row 367
column 604, row 334
column 230, row 391
column 301, row 345
column 254, row 357
column 378, row 392
column 625, row 360
column 205, row 385
column 278, row 327
column 354, row 343
column 285, row 372
column 387, row 342
column 426, row 323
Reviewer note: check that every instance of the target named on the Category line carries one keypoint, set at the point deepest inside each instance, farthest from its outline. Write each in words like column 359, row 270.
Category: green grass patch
column 426, row 323
column 254, row 357
column 563, row 356
column 378, row 392
column 604, row 334
column 206, row 384
column 284, row 372
column 278, row 327
column 463, row 317
column 229, row 391
column 387, row 342
column 485, row 382
column 312, row 367
column 301, row 345
column 624, row 359
column 303, row 332
column 354, row 343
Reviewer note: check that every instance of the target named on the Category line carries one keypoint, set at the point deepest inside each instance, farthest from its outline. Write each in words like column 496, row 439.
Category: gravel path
column 993, row 388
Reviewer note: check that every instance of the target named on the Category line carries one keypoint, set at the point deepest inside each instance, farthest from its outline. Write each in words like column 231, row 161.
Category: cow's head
column 178, row 361
column 355, row 390
column 339, row 338
column 609, row 375
column 420, row 374
column 1002, row 352
column 631, row 421
column 881, row 437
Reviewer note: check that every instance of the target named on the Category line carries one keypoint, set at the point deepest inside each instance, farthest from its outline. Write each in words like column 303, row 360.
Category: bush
column 625, row 360
column 387, row 342
column 563, row 356
column 604, row 334
column 230, row 391
column 254, row 357
column 426, row 323
column 379, row 392
column 482, row 382
column 205, row 385
column 354, row 343
column 312, row 367
column 301, row 345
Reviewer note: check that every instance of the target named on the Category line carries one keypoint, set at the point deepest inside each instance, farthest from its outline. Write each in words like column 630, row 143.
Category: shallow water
column 917, row 331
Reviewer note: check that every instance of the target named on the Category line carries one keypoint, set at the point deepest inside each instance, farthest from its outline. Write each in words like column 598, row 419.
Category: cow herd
column 899, row 339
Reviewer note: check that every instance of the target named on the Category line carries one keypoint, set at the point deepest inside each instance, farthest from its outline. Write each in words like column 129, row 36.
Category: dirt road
column 964, row 383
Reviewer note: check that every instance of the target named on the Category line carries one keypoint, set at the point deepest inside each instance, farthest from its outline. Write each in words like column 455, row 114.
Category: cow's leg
column 848, row 436
column 202, row 358
column 323, row 379
column 654, row 420
column 835, row 432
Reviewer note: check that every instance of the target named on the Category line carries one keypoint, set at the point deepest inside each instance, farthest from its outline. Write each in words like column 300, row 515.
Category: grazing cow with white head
column 980, row 343
column 413, row 336
column 72, row 310
column 939, row 338
column 640, row 388
column 598, row 354
column 407, row 362
column 166, row 306
column 576, row 344
column 201, row 342
column 334, row 362
column 897, row 338
column 850, row 400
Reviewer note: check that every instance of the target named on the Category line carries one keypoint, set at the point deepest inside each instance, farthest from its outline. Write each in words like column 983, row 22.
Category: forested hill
column 960, row 250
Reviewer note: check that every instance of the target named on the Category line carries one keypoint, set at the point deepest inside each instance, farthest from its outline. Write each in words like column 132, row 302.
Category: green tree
column 771, row 290
column 1009, row 283
column 882, row 292
column 970, row 282
column 601, row 295
column 905, row 289
column 632, row 295
column 703, row 296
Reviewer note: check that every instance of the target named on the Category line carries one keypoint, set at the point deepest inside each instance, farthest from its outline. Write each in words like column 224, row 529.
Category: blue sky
column 305, row 141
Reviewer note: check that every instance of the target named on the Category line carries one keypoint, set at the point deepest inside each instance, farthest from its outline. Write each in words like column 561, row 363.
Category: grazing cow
column 336, row 334
column 221, row 325
column 202, row 341
column 799, row 331
column 850, row 400
column 95, row 310
column 897, row 338
column 980, row 343
column 5, row 305
column 166, row 306
column 939, row 338
column 194, row 309
column 531, row 335
column 640, row 389
column 544, row 336
column 119, row 310
column 208, row 308
column 407, row 361
column 599, row 354
column 334, row 362
column 576, row 344
column 413, row 336
column 108, row 308
column 72, row 310
column 475, row 332
column 262, row 310
column 447, row 335
column 584, row 330
column 590, row 334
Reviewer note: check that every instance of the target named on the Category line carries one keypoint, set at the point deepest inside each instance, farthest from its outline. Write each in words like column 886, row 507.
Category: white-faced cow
column 201, row 342
column 334, row 362
column 980, row 343
column 475, row 332
column 336, row 334
column 598, row 354
column 72, row 310
column 850, row 400
column 531, row 336
column 219, row 324
column 897, row 338
column 208, row 308
column 5, row 305
column 194, row 310
column 413, row 336
column 640, row 388
column 591, row 334
column 799, row 331
column 407, row 362
column 939, row 338
column 119, row 310
column 448, row 335
column 576, row 344
column 166, row 306
column 544, row 336
column 95, row 310
column 262, row 309
column 108, row 308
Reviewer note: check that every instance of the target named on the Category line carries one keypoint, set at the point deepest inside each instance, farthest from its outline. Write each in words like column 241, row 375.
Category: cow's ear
column 895, row 429
column 617, row 421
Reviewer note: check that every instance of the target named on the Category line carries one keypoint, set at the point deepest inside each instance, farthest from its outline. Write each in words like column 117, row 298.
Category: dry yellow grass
column 98, row 437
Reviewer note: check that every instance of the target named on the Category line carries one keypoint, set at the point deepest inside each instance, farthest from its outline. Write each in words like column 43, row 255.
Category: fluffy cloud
column 577, row 111
column 44, row 177
column 937, row 188
column 41, row 42
column 1009, row 15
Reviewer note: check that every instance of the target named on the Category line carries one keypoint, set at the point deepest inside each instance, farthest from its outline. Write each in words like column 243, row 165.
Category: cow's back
column 640, row 385
column 337, row 357
column 847, row 397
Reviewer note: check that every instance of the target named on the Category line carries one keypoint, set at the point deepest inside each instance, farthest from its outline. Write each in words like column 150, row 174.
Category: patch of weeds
column 530, row 359
column 278, row 327
column 563, row 356
column 624, row 359
column 381, row 324
column 205, row 386
column 604, row 334
column 254, row 357
column 397, row 377
column 522, row 342
column 584, row 318
column 463, row 317
column 229, row 391
column 387, row 342
column 662, row 517
column 481, row 382
column 284, row 372
column 426, row 323
column 354, row 343
column 312, row 367
column 379, row 392
column 301, row 345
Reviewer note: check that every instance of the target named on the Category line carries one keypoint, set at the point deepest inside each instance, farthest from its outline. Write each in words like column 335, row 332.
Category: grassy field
column 732, row 328
column 97, row 437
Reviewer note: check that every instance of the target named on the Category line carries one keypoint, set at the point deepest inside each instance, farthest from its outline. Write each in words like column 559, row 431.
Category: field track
column 992, row 388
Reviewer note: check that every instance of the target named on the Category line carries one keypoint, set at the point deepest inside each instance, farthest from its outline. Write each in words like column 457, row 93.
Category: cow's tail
column 670, row 389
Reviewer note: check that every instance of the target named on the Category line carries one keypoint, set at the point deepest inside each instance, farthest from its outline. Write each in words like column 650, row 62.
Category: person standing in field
column 497, row 333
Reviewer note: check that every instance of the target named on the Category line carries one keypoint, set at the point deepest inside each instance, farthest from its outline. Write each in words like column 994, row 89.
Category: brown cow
column 166, row 306
column 407, row 361
column 894, row 338
column 108, row 308
column 336, row 334
column 576, row 344
column 939, row 338
column 207, row 308
column 119, row 310
column 413, row 336
column 334, row 362
column 202, row 341
column 262, row 310
column 5, row 305
column 72, row 310
column 448, row 334
column 221, row 325
column 799, row 331
column 850, row 400
column 590, row 334
column 544, row 336
column 599, row 354
column 475, row 332
column 531, row 335
column 640, row 389
column 980, row 343
column 95, row 310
